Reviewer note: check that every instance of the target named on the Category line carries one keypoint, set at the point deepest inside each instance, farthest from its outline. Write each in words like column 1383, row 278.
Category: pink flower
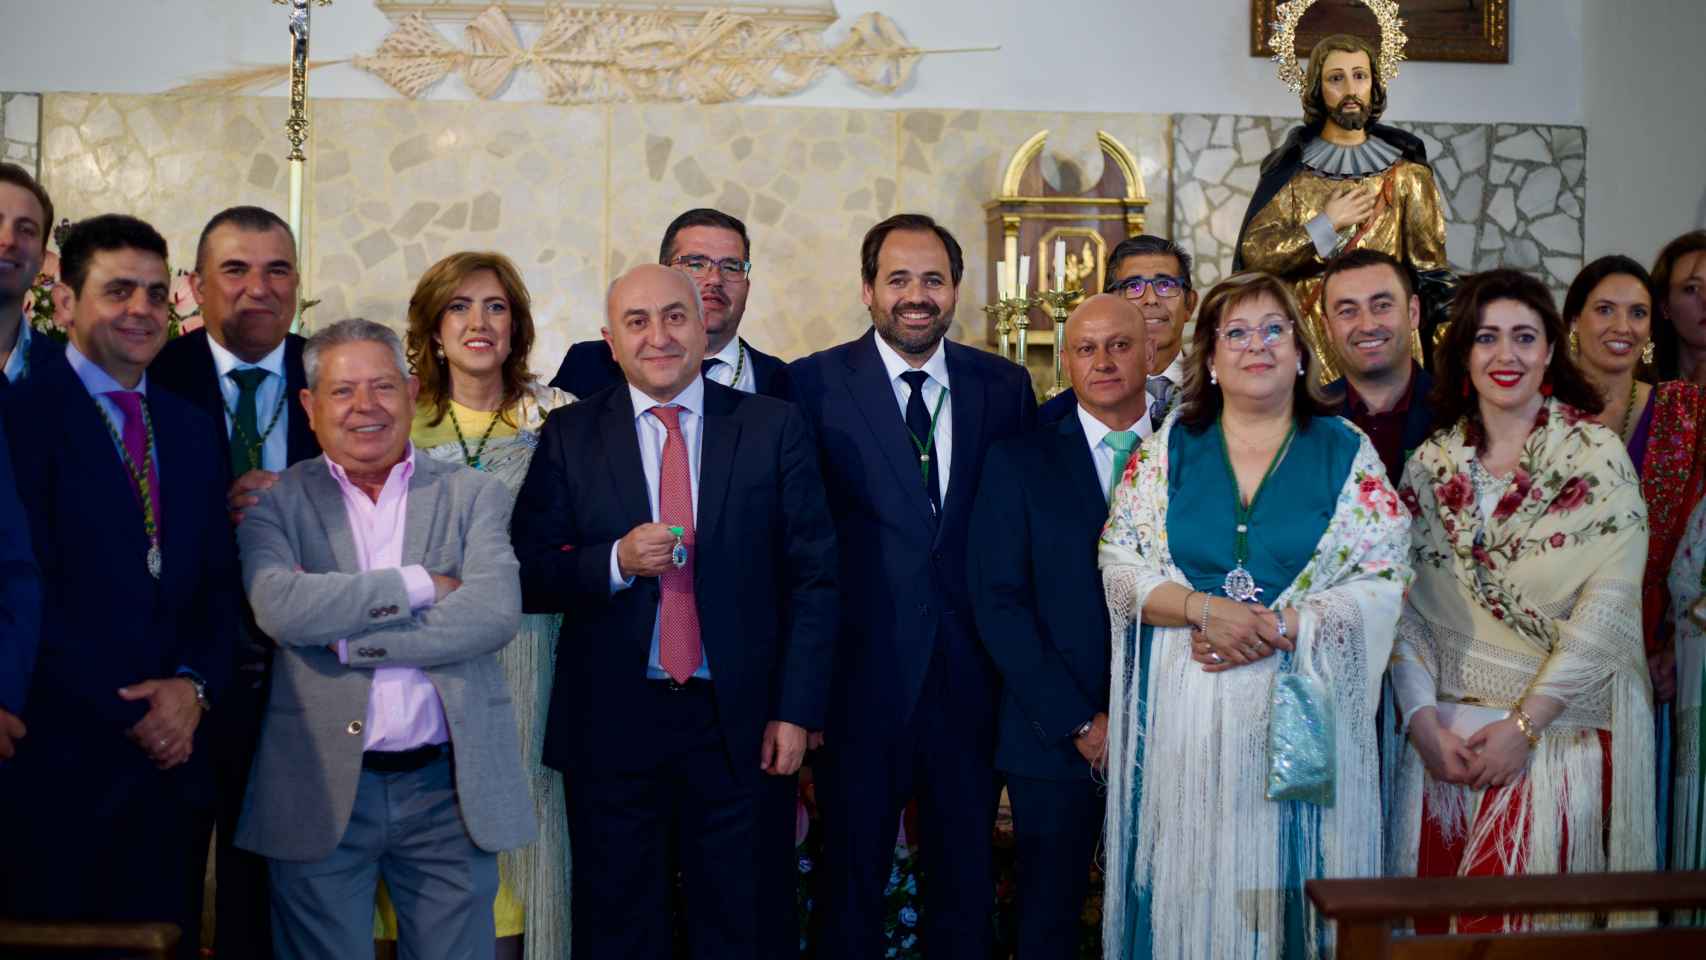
column 1376, row 495
column 1557, row 540
column 1508, row 504
column 1573, row 495
column 1482, row 558
column 1409, row 497
column 183, row 297
column 1455, row 494
column 1572, row 415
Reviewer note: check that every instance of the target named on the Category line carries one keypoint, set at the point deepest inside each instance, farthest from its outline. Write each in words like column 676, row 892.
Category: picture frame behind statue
column 1463, row 31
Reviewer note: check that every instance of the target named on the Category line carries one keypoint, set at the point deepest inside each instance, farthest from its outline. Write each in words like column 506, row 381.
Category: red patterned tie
column 678, row 619
column 135, row 439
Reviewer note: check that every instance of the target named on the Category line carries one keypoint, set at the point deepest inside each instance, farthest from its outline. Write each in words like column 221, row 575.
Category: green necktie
column 1121, row 442
column 245, row 432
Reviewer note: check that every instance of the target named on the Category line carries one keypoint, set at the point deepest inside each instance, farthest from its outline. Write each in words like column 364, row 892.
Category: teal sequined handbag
column 1302, row 752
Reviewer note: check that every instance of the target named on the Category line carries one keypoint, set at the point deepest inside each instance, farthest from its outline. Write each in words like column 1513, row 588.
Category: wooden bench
column 153, row 941
column 1367, row 910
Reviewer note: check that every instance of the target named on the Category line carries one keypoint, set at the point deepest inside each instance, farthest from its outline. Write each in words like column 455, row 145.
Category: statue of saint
column 1343, row 181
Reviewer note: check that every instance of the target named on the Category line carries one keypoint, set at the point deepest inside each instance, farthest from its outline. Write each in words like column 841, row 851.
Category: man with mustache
column 903, row 419
column 1154, row 274
column 389, row 749
column 1372, row 313
column 711, row 247
column 140, row 607
column 681, row 527
column 243, row 368
column 1343, row 182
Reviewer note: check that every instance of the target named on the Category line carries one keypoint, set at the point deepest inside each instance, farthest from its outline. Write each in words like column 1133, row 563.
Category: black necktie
column 923, row 437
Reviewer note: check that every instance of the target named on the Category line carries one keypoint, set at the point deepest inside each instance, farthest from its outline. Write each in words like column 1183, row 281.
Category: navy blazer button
column 354, row 727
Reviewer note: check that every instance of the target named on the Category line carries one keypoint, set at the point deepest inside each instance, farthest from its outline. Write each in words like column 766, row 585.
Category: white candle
column 1060, row 263
column 1024, row 275
column 1011, row 249
column 1000, row 279
column 1013, row 277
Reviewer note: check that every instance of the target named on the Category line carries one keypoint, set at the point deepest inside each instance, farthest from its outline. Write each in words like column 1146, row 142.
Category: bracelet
column 1186, row 613
column 1204, row 625
column 1525, row 723
column 1281, row 617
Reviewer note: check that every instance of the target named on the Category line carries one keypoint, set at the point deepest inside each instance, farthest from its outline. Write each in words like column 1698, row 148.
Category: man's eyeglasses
column 1166, row 287
column 732, row 270
column 1240, row 336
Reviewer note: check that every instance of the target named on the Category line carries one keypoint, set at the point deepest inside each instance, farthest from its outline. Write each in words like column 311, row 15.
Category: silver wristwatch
column 200, row 691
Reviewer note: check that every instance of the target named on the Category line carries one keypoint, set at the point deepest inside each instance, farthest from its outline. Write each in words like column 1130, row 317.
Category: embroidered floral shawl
column 1206, row 844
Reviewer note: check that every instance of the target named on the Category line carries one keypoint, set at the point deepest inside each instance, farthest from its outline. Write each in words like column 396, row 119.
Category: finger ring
column 162, row 741
column 1216, row 657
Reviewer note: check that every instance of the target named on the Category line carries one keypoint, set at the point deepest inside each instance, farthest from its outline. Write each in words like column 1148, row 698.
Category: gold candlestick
column 1022, row 321
column 997, row 312
column 1058, row 301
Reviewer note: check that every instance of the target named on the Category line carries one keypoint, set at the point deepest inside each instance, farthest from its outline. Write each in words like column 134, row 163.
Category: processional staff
column 296, row 127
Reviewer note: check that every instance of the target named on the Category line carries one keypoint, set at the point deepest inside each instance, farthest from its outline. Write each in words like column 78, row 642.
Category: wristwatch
column 200, row 691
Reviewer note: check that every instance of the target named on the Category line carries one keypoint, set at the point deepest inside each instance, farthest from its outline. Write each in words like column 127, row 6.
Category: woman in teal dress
column 1253, row 535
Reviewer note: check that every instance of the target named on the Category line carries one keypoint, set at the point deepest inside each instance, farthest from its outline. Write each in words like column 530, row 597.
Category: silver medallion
column 678, row 556
column 154, row 560
column 1240, row 586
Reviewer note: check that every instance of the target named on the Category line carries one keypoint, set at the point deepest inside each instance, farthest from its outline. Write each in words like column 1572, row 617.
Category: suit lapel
column 299, row 441
column 206, row 394
column 328, row 503
column 177, row 494
column 873, row 396
column 622, row 454
column 1083, row 487
column 717, row 442
column 966, row 396
column 425, row 491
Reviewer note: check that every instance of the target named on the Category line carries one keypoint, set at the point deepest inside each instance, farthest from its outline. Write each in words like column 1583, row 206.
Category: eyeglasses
column 732, row 270
column 1239, row 336
column 1166, row 287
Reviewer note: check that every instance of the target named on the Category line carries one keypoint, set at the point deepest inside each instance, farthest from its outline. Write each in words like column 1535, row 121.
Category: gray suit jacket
column 308, row 592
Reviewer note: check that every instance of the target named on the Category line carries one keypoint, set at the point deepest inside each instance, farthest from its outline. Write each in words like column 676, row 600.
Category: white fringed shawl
column 1688, row 833
column 1206, row 842
column 1542, row 597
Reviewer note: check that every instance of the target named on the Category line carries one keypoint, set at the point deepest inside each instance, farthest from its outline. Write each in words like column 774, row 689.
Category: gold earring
column 1575, row 344
column 1647, row 353
column 438, row 350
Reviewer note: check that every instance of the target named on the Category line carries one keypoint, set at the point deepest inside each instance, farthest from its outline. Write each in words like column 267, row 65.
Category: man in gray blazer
column 389, row 747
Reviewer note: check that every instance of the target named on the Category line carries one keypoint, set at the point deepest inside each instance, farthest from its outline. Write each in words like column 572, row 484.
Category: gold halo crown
column 1283, row 40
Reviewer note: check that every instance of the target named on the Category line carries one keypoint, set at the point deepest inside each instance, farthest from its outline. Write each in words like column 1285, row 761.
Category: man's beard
column 906, row 340
column 1347, row 120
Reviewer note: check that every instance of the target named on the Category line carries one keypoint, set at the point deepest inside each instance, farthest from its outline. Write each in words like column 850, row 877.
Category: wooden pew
column 1366, row 911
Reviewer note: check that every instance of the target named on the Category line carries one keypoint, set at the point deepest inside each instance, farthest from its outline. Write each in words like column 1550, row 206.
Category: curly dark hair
column 1454, row 396
column 1200, row 399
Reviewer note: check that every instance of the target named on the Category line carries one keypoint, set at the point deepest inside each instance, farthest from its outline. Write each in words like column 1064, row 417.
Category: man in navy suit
column 1154, row 273
column 1373, row 314
column 26, row 221
column 682, row 527
column 902, row 420
column 244, row 370
column 1040, row 611
column 20, row 608
column 140, row 615
column 711, row 247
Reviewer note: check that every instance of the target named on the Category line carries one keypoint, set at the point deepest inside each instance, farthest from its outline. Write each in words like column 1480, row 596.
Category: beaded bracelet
column 1204, row 625
column 1525, row 723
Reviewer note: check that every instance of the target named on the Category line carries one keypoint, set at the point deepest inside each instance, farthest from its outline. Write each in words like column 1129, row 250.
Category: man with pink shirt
column 389, row 747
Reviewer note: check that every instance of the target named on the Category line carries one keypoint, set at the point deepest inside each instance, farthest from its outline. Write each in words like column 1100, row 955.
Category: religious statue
column 1343, row 181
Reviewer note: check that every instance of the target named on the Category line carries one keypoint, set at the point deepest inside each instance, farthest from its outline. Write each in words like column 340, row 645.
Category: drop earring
column 1212, row 378
column 1300, row 370
column 1647, row 353
column 1575, row 344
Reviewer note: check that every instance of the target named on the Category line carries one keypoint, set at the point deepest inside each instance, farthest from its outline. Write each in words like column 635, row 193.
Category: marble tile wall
column 574, row 195
column 20, row 129
column 1514, row 194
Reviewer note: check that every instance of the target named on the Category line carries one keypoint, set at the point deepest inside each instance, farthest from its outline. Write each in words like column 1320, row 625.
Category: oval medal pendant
column 154, row 560
column 1240, row 586
column 678, row 556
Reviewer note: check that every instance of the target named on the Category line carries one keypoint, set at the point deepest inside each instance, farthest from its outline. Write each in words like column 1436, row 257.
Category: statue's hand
column 1352, row 204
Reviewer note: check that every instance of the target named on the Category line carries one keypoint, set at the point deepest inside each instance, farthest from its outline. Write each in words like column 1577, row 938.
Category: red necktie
column 135, row 439
column 679, row 652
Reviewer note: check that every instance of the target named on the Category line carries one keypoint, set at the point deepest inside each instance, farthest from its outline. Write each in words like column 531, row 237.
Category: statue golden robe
column 1407, row 223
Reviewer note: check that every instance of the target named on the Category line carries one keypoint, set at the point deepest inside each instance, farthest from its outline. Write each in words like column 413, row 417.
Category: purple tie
column 136, row 444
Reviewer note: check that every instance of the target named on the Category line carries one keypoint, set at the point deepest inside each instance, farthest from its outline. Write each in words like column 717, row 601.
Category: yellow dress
column 1407, row 223
column 440, row 440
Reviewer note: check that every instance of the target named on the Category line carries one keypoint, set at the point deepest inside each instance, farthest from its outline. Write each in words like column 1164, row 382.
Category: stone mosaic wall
column 574, row 195
column 1514, row 194
column 20, row 129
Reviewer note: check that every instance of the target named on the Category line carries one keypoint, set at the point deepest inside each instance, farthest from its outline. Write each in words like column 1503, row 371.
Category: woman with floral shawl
column 470, row 331
column 1248, row 493
column 1630, row 356
column 1519, row 667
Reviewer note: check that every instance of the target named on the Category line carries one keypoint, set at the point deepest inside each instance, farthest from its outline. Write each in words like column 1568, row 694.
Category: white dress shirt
column 937, row 368
column 99, row 382
column 734, row 356
column 15, row 361
column 652, row 434
column 1175, row 371
column 275, row 450
column 1095, row 431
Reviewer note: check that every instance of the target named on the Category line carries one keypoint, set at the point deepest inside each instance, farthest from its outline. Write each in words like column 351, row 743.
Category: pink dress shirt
column 403, row 709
